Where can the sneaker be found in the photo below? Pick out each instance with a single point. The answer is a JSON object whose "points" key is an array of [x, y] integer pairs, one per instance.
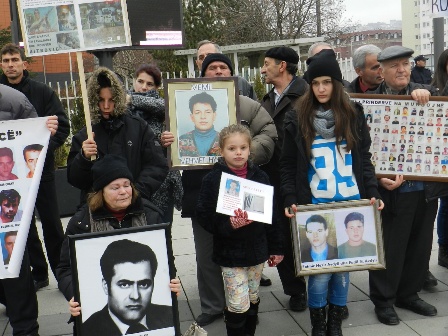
{"points": [[430, 281], [265, 281], [298, 302], [205, 319], [38, 284]]}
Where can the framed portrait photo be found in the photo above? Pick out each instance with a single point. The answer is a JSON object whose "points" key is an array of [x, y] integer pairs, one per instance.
{"points": [[407, 138], [121, 280], [337, 237], [197, 109]]}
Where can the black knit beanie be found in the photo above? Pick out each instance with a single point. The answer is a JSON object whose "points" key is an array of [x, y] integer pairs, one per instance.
{"points": [[108, 169], [324, 63], [214, 58]]}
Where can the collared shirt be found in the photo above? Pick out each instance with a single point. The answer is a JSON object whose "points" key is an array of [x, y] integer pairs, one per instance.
{"points": [[362, 86], [122, 326], [319, 256], [279, 96]]}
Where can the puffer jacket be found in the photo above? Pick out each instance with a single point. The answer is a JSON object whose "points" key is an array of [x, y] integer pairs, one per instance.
{"points": [[294, 162], [264, 135], [249, 245], [14, 105], [121, 134]]}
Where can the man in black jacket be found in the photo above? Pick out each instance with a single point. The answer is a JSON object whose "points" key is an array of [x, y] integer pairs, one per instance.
{"points": [[46, 103], [409, 212], [279, 69]]}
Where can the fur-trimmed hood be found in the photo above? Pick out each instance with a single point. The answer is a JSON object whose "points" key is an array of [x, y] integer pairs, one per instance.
{"points": [[93, 91]]}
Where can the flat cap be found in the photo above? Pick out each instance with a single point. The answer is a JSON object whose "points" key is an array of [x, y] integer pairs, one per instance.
{"points": [[286, 54], [394, 52], [420, 58]]}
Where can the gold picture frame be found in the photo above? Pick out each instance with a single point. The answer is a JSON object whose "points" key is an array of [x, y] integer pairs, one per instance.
{"points": [[197, 109], [315, 225]]}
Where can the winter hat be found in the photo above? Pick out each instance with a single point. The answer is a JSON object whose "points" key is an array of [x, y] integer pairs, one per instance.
{"points": [[108, 169], [286, 54], [324, 63], [216, 58]]}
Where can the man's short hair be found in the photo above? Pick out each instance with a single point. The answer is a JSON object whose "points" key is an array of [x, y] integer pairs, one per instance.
{"points": [[313, 46], [123, 251], [204, 98], [203, 42], [9, 234], [353, 216], [12, 49], [5, 151], [316, 219], [10, 195], [360, 54], [32, 148]]}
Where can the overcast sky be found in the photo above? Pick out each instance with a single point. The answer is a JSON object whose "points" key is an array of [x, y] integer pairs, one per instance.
{"points": [[367, 11]]}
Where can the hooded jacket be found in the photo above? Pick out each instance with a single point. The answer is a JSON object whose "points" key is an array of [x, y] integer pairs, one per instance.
{"points": [[46, 103], [121, 134]]}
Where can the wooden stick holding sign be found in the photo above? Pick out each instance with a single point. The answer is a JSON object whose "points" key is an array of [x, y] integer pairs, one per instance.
{"points": [[85, 100]]}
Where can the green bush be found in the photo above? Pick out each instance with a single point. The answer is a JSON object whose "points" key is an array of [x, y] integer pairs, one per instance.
{"points": [[259, 87]]}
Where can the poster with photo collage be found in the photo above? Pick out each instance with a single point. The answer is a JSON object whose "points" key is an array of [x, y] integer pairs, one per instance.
{"points": [[408, 138]]}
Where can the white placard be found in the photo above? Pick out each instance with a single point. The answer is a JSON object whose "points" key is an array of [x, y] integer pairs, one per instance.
{"points": [[239, 193]]}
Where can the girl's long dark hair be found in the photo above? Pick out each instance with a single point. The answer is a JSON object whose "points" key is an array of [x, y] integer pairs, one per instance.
{"points": [[440, 74], [344, 115]]}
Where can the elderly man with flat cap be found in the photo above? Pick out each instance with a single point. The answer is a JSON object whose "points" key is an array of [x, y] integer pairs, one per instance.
{"points": [[279, 69], [420, 74], [409, 212]]}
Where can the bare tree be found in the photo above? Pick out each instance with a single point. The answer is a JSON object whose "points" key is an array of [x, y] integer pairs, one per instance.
{"points": [[126, 61]]}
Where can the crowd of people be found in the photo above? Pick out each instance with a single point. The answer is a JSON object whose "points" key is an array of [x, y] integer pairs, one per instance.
{"points": [[305, 137]]}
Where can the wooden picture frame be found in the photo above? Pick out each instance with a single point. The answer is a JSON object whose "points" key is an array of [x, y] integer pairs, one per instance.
{"points": [[129, 269], [203, 95], [315, 225], [407, 138]]}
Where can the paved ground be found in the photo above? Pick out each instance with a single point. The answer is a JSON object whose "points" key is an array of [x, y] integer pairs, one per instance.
{"points": [[275, 318]]}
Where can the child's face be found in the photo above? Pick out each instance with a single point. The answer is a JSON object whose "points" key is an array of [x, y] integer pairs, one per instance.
{"points": [[236, 150]]}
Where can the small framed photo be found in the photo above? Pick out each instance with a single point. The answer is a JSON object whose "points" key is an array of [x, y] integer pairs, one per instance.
{"points": [[337, 237], [121, 280], [197, 109]]}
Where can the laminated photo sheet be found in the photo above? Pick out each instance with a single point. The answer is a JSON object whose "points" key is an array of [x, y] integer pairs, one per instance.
{"points": [[54, 26], [16, 137], [239, 193]]}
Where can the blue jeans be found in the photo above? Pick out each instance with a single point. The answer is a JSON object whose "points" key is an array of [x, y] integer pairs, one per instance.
{"points": [[331, 285], [442, 222]]}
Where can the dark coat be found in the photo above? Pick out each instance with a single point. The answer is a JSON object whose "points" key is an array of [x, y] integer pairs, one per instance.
{"points": [[355, 87], [100, 323], [295, 91], [294, 162], [264, 135], [128, 136], [332, 254], [249, 245], [412, 86], [421, 75], [80, 224], [46, 103]]}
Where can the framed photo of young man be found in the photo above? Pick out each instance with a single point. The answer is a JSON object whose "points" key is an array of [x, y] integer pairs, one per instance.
{"points": [[337, 237], [197, 109], [121, 280], [407, 138]]}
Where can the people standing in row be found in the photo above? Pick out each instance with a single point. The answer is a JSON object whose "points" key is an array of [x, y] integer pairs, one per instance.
{"points": [[325, 121], [240, 246], [46, 103], [280, 69]]}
